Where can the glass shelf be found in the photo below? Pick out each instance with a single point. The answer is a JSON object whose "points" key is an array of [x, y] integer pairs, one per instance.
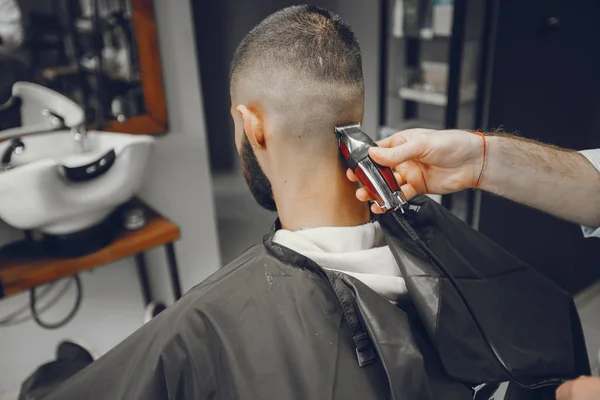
{"points": [[423, 35], [468, 94]]}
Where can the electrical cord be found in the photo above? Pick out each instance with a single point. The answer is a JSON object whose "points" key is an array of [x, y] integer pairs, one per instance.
{"points": [[45, 307], [55, 325], [408, 229], [12, 318]]}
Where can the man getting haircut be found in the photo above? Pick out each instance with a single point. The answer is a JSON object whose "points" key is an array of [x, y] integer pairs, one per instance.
{"points": [[288, 318]]}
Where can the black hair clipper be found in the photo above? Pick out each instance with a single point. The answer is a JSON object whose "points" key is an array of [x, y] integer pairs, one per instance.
{"points": [[379, 181]]}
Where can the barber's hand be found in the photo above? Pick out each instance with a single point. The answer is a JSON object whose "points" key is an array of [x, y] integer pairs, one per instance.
{"points": [[584, 388], [427, 161]]}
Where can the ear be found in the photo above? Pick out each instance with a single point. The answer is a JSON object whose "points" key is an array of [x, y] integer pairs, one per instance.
{"points": [[253, 126]]}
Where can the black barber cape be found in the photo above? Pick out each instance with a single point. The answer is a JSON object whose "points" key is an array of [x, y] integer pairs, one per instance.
{"points": [[274, 325]]}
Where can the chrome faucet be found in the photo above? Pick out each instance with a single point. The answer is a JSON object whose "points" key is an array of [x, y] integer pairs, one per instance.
{"points": [[79, 132], [55, 119], [16, 146], [57, 122], [81, 138]]}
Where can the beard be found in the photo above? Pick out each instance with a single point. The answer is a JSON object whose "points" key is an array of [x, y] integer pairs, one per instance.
{"points": [[257, 181]]}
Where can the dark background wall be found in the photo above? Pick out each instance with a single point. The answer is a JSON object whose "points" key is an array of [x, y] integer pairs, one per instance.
{"points": [[546, 86], [221, 25]]}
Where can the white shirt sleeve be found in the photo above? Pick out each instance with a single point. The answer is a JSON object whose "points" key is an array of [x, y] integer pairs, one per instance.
{"points": [[11, 26], [593, 156]]}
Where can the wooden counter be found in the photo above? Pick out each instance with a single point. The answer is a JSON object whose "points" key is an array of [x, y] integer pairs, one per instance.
{"points": [[20, 274]]}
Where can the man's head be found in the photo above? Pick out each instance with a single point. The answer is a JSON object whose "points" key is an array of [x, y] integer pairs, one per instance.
{"points": [[294, 77]]}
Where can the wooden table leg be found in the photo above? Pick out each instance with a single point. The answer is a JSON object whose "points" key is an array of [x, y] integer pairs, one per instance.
{"points": [[173, 271], [142, 271]]}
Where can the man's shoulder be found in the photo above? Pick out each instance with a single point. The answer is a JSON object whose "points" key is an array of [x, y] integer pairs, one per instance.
{"points": [[215, 292], [231, 275], [231, 283], [257, 277]]}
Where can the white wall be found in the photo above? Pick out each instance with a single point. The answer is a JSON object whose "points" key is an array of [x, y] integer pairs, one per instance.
{"points": [[178, 184], [181, 185]]}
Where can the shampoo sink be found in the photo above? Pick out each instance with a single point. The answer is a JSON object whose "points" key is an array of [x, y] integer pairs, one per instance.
{"points": [[54, 188]]}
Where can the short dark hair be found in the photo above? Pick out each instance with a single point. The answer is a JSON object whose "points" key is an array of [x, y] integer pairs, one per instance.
{"points": [[306, 38]]}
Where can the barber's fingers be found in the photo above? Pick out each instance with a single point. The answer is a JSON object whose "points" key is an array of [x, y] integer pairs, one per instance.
{"points": [[375, 209], [351, 175], [582, 388], [396, 155], [390, 141], [409, 191], [402, 137], [564, 391], [353, 178], [362, 193], [399, 178]]}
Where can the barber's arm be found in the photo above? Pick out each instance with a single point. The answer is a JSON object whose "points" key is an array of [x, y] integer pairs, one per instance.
{"points": [[558, 181]]}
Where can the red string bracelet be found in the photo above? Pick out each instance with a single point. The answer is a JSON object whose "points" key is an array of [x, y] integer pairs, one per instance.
{"points": [[483, 161]]}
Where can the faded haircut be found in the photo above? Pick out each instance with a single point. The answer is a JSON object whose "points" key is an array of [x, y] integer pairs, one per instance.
{"points": [[304, 64], [309, 40]]}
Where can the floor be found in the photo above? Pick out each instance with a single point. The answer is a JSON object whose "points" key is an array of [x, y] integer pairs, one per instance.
{"points": [[242, 223]]}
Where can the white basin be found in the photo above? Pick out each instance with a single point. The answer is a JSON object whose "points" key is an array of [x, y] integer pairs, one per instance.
{"points": [[38, 194]]}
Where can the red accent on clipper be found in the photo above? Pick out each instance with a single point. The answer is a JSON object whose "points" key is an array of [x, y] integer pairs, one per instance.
{"points": [[379, 181], [344, 151], [389, 177], [360, 175], [367, 185]]}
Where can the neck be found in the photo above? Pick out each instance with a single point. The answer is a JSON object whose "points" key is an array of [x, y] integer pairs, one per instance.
{"points": [[321, 197]]}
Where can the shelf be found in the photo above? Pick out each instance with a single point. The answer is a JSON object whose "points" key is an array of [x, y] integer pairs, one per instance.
{"points": [[468, 94], [425, 97], [22, 273], [423, 35], [84, 25]]}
